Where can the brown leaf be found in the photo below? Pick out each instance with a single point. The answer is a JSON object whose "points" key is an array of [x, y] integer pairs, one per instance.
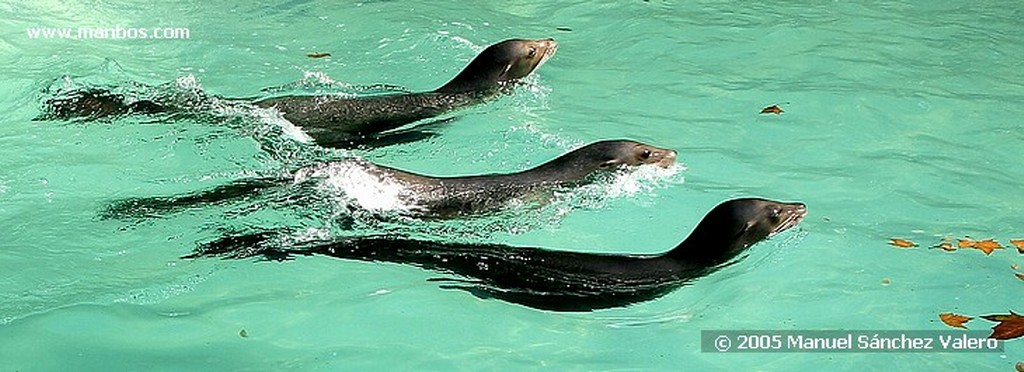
{"points": [[1010, 325], [954, 320], [965, 243], [946, 246], [1020, 276], [1020, 366], [1019, 243], [902, 243], [318, 55], [987, 246], [773, 109]]}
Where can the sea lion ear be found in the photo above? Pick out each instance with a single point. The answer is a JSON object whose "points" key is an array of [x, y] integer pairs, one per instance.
{"points": [[746, 227]]}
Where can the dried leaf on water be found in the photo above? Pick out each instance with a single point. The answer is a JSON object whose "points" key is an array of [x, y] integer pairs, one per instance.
{"points": [[1019, 243], [954, 320], [987, 245], [946, 245], [1010, 325], [318, 55], [902, 243], [773, 109]]}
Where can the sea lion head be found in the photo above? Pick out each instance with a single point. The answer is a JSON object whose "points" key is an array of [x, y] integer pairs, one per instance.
{"points": [[624, 152], [734, 226], [502, 63]]}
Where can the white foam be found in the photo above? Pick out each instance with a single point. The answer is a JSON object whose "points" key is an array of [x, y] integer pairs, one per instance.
{"points": [[274, 117], [470, 44], [356, 180], [310, 234], [629, 182], [320, 78], [189, 82]]}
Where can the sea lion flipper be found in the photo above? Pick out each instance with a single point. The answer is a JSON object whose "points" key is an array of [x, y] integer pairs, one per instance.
{"points": [[244, 245], [153, 207]]}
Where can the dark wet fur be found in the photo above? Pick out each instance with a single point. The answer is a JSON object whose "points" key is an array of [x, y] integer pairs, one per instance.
{"points": [[95, 103], [542, 278]]}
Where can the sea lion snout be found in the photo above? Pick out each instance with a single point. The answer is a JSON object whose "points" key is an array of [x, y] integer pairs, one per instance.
{"points": [[547, 46], [787, 215], [658, 156], [668, 158]]}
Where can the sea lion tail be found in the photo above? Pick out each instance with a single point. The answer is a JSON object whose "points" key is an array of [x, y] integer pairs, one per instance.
{"points": [[155, 207], [267, 243]]}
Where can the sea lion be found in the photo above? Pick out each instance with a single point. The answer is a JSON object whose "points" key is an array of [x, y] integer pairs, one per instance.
{"points": [[331, 121], [552, 279], [417, 194], [336, 121], [96, 103]]}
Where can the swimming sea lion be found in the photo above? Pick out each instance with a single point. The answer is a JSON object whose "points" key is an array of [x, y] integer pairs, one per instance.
{"points": [[549, 279], [333, 120], [96, 103], [421, 195], [347, 121]]}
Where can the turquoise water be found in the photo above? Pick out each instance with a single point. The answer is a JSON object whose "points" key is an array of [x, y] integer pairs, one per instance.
{"points": [[901, 120]]}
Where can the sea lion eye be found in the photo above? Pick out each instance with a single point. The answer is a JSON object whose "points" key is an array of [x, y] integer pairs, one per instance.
{"points": [[646, 154], [533, 52], [776, 212]]}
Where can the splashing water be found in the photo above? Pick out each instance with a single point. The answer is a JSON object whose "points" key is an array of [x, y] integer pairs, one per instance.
{"points": [[353, 180]]}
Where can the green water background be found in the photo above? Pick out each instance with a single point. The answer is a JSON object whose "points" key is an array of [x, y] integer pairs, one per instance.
{"points": [[902, 120]]}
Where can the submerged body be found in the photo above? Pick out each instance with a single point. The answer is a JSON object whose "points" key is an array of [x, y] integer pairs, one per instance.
{"points": [[422, 195], [345, 121], [551, 279], [338, 121]]}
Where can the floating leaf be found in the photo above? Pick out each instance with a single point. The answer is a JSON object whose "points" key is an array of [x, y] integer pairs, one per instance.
{"points": [[1010, 325], [946, 246], [1020, 367], [987, 246], [773, 109], [318, 55], [1019, 243], [902, 243], [954, 320], [1020, 276], [1015, 266]]}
